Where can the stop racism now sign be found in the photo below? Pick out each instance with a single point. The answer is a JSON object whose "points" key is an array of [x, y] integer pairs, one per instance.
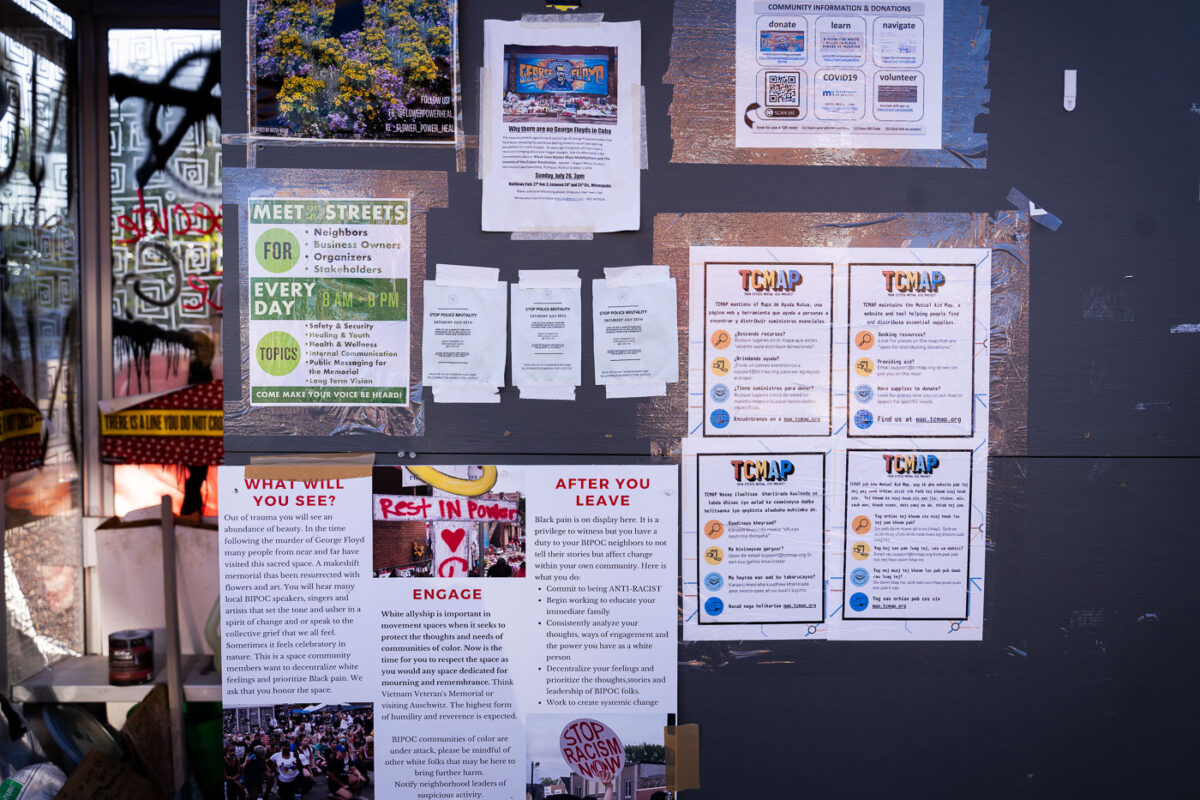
{"points": [[592, 749]]}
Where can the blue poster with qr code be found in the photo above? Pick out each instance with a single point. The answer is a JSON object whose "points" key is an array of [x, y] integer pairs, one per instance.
{"points": [[551, 74]]}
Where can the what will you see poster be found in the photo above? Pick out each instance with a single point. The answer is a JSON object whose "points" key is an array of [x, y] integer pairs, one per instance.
{"points": [[354, 69]]}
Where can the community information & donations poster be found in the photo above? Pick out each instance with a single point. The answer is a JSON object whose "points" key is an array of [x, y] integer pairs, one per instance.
{"points": [[479, 613], [328, 301], [560, 147], [836, 485], [839, 74]]}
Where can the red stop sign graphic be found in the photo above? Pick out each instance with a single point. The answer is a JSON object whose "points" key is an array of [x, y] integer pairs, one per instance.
{"points": [[592, 749]]}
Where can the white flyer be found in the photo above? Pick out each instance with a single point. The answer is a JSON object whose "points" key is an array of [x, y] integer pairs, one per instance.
{"points": [[328, 301], [547, 338], [763, 547], [836, 479], [839, 75], [774, 321], [908, 541], [489, 619], [635, 336], [560, 126], [912, 344], [462, 350]]}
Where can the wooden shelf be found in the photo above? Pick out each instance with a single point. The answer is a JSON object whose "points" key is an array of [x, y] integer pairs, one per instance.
{"points": [[84, 679]]}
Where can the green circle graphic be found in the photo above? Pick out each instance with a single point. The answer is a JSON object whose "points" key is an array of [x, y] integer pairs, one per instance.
{"points": [[278, 353], [277, 250]]}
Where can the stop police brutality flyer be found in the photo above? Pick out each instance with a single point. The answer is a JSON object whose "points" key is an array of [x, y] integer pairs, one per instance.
{"points": [[839, 74], [488, 616], [835, 483], [328, 301]]}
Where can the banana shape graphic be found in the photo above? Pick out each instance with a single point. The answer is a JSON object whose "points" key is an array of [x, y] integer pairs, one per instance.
{"points": [[448, 483]]}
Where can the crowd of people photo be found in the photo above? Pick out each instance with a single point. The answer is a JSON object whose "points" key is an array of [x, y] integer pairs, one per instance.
{"points": [[293, 752]]}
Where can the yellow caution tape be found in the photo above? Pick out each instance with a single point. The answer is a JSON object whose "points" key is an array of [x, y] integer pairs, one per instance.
{"points": [[162, 422], [17, 422]]}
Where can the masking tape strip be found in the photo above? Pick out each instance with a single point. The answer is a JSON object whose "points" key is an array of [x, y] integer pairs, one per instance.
{"points": [[570, 19], [626, 389], [644, 140], [458, 275], [460, 152], [682, 746], [251, 82], [639, 275], [311, 466], [483, 164], [536, 236], [1039, 215], [547, 391], [251, 140], [548, 279]]}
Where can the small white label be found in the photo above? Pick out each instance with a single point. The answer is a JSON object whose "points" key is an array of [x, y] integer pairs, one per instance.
{"points": [[1069, 89]]}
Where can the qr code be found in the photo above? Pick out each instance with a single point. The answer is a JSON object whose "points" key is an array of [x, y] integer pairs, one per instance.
{"points": [[783, 88]]}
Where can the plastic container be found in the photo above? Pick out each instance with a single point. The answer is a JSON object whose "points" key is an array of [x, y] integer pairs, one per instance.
{"points": [[37, 782]]}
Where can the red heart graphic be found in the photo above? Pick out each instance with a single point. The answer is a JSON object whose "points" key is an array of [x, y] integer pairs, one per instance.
{"points": [[453, 538]]}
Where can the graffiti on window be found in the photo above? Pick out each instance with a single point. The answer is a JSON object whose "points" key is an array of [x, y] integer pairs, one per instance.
{"points": [[165, 183], [39, 352]]}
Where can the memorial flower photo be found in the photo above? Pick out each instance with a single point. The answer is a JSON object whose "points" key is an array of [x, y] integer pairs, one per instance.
{"points": [[367, 69]]}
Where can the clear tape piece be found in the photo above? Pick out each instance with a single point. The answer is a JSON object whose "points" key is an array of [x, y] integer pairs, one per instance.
{"points": [[1039, 215]]}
